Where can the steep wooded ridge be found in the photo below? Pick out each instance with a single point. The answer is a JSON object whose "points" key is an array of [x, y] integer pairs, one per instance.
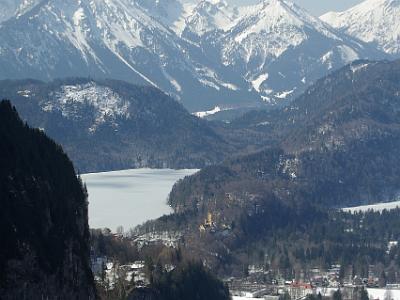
{"points": [[335, 146], [43, 217], [110, 125]]}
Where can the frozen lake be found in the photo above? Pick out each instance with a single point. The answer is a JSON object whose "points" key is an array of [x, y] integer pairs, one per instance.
{"points": [[129, 197]]}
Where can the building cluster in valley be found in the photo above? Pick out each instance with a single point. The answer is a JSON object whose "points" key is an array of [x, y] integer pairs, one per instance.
{"points": [[323, 282], [258, 282]]}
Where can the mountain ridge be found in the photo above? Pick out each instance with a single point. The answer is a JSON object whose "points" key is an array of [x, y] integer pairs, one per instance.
{"points": [[109, 124], [204, 55], [372, 21], [352, 108]]}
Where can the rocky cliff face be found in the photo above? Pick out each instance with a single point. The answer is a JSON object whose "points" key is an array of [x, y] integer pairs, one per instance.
{"points": [[43, 217]]}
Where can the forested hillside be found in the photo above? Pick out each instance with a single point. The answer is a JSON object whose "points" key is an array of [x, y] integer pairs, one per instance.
{"points": [[335, 146], [43, 217], [110, 125], [187, 281]]}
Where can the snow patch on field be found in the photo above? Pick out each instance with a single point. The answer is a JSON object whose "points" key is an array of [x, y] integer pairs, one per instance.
{"points": [[348, 54], [228, 85], [379, 294], [173, 81], [327, 59], [356, 68], [374, 207], [284, 94], [209, 78], [25, 93], [259, 81], [203, 114]]}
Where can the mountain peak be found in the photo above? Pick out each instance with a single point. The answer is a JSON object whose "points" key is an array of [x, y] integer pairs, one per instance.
{"points": [[204, 53], [281, 19], [372, 21], [210, 15], [289, 14]]}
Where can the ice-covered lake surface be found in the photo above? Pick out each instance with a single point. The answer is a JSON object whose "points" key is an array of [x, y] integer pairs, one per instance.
{"points": [[129, 197]]}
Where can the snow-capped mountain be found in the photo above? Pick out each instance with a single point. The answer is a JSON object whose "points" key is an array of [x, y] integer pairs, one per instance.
{"points": [[373, 21], [102, 38], [205, 54], [280, 49], [210, 16], [171, 13]]}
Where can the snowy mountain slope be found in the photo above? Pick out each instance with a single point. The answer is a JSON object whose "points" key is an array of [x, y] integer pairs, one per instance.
{"points": [[204, 54], [171, 13], [280, 49], [13, 8], [209, 16], [74, 30], [8, 9], [106, 105], [103, 38], [373, 21]]}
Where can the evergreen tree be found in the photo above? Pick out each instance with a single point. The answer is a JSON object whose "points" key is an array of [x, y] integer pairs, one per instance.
{"points": [[285, 296], [382, 279], [364, 294], [149, 268], [337, 295], [187, 281]]}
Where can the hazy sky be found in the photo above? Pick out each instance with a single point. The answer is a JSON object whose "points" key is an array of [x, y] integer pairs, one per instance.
{"points": [[316, 7]]}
